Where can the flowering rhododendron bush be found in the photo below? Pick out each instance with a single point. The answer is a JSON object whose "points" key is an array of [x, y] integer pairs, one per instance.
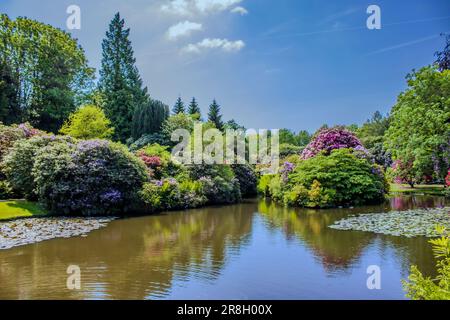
{"points": [[91, 177], [342, 178], [327, 140]]}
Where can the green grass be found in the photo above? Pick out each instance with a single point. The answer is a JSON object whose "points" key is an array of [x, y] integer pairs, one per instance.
{"points": [[14, 209], [435, 190]]}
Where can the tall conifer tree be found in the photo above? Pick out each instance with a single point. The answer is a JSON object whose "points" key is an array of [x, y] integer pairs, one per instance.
{"points": [[193, 108], [214, 115], [120, 81], [179, 107]]}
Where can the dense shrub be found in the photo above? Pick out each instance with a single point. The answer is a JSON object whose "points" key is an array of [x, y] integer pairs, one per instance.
{"points": [[327, 140], [6, 192], [219, 183], [19, 162], [159, 161], [169, 194], [93, 177], [287, 149], [10, 134], [340, 179], [246, 176]]}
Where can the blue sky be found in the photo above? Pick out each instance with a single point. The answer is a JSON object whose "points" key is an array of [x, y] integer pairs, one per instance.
{"points": [[269, 63]]}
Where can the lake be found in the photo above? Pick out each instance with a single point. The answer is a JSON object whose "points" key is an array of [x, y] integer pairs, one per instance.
{"points": [[253, 250]]}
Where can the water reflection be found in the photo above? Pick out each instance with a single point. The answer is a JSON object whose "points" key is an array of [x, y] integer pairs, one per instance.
{"points": [[252, 250]]}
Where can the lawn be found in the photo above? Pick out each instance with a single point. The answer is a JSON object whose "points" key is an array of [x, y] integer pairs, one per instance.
{"points": [[429, 189], [19, 209]]}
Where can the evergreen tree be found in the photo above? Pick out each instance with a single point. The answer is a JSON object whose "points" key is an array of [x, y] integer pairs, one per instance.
{"points": [[193, 108], [148, 118], [179, 107], [214, 115], [120, 82]]}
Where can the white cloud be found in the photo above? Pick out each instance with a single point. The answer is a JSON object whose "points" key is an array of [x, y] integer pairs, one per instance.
{"points": [[222, 44], [181, 29], [240, 10], [180, 7], [189, 7], [214, 5]]}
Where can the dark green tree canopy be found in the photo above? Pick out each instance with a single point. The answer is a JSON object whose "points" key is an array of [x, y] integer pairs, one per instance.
{"points": [[46, 68], [120, 82], [419, 130], [148, 118], [9, 105], [215, 116], [179, 107]]}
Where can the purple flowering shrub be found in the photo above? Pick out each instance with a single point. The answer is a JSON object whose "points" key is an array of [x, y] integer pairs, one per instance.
{"points": [[93, 177], [327, 140]]}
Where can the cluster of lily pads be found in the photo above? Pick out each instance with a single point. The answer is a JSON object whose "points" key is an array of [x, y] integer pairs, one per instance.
{"points": [[410, 223]]}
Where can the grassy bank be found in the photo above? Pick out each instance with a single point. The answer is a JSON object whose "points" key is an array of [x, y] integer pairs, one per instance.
{"points": [[434, 190], [13, 209]]}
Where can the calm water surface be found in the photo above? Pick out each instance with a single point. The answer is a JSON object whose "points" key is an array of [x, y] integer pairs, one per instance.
{"points": [[254, 250]]}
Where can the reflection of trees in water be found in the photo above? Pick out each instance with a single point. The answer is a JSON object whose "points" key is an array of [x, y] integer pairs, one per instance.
{"points": [[131, 258], [341, 249], [335, 249]]}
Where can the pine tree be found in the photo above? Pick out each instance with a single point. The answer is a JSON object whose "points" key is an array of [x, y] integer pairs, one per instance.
{"points": [[193, 108], [120, 82], [148, 118], [214, 115], [179, 107]]}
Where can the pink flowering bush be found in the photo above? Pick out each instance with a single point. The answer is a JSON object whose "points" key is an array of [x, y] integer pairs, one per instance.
{"points": [[330, 139]]}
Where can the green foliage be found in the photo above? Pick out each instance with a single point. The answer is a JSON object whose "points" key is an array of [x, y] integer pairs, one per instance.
{"points": [[147, 139], [6, 192], [171, 195], [215, 116], [194, 109], [340, 179], [263, 184], [88, 122], [288, 137], [46, 68], [344, 179], [148, 118], [287, 149], [92, 177], [179, 107], [419, 130], [246, 176], [177, 121], [219, 183], [420, 287], [18, 163], [120, 82]]}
